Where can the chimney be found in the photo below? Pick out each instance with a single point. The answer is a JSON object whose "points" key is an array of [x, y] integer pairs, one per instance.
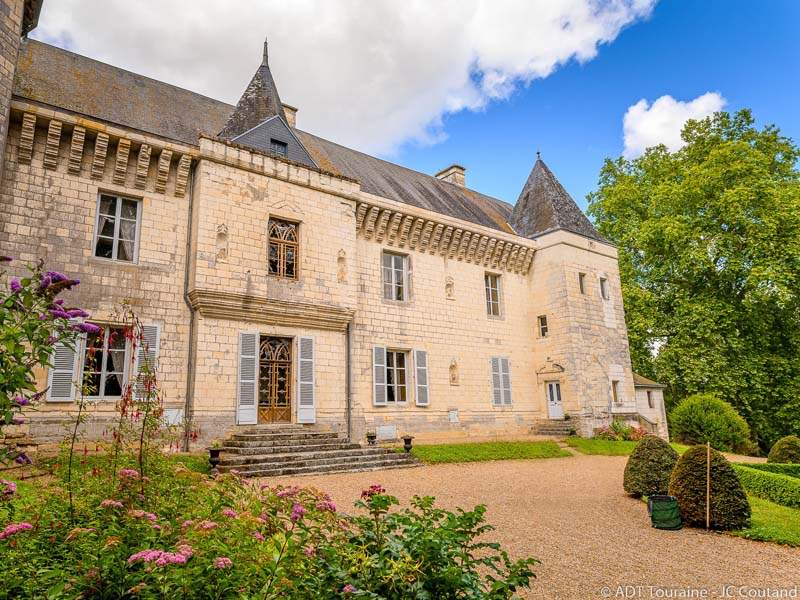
{"points": [[291, 115], [453, 174]]}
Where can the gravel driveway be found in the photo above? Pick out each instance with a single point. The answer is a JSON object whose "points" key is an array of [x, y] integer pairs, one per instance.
{"points": [[572, 514]]}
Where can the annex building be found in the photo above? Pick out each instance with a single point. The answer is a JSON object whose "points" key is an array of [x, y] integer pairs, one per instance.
{"points": [[284, 278]]}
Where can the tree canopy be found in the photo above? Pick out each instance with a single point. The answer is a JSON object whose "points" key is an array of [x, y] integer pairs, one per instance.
{"points": [[709, 249]]}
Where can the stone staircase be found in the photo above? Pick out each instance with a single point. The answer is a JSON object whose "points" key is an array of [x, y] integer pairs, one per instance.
{"points": [[553, 427], [272, 451]]}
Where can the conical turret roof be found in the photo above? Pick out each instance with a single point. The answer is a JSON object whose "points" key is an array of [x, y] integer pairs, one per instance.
{"points": [[544, 205], [259, 102]]}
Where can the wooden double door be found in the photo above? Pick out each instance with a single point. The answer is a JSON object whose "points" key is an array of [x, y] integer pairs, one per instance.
{"points": [[275, 380]]}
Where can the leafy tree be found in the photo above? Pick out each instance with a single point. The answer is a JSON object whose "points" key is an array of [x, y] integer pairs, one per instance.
{"points": [[709, 245]]}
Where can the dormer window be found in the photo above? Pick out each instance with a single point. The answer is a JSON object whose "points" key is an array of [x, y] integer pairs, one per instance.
{"points": [[278, 147]]}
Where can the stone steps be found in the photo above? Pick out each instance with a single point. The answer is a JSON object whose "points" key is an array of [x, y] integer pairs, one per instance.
{"points": [[552, 428], [272, 451]]}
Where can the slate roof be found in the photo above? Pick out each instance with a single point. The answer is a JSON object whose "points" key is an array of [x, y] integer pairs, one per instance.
{"points": [[259, 102], [544, 205], [62, 79]]}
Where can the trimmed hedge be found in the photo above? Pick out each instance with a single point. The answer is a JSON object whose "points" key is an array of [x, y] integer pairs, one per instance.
{"points": [[729, 506], [790, 470], [706, 418], [786, 450], [649, 467], [777, 488]]}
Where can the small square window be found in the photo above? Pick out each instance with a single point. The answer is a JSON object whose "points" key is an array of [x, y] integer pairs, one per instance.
{"points": [[582, 282], [542, 326], [395, 276], [278, 147], [117, 228], [492, 282], [604, 288]]}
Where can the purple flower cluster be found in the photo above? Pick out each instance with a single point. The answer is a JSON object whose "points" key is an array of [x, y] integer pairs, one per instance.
{"points": [[161, 558], [7, 488], [86, 328], [258, 536], [372, 491], [348, 589], [15, 285], [14, 528], [287, 492], [206, 525], [140, 514], [229, 513], [111, 504], [223, 562], [326, 505], [128, 473], [298, 512]]}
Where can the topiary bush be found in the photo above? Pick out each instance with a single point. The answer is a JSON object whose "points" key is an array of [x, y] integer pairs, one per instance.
{"points": [[792, 470], [649, 467], [705, 418], [777, 488], [729, 506], [786, 450]]}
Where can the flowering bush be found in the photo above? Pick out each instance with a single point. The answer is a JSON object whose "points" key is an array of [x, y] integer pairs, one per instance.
{"points": [[32, 319], [180, 534], [619, 431]]}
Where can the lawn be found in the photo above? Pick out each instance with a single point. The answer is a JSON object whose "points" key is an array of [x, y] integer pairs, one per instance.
{"points": [[194, 462], [451, 453], [772, 522], [608, 447]]}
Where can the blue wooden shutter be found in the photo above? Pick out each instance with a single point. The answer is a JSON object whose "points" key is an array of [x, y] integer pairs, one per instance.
{"points": [[306, 394], [247, 395]]}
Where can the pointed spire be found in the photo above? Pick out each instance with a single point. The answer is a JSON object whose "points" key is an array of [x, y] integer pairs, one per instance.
{"points": [[259, 102], [544, 205]]}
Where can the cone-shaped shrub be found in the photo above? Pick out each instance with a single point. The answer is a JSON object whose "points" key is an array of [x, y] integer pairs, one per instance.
{"points": [[785, 450], [729, 506], [649, 467]]}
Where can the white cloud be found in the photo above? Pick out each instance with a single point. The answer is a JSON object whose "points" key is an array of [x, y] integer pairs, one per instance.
{"points": [[647, 125], [367, 73]]}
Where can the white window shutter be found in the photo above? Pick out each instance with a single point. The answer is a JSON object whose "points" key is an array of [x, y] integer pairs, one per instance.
{"points": [[506, 375], [247, 395], [146, 359], [379, 375], [62, 377], [497, 382], [421, 377], [306, 394]]}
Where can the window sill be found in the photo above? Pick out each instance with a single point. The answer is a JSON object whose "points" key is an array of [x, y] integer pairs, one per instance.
{"points": [[114, 262], [496, 317], [404, 303]]}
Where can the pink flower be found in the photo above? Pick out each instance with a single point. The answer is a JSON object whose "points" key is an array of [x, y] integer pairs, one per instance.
{"points": [[326, 505], [223, 562], [348, 589], [298, 512], [14, 528], [7, 488], [372, 491], [310, 551], [111, 504], [187, 523], [258, 536], [128, 473], [229, 513], [206, 525]]}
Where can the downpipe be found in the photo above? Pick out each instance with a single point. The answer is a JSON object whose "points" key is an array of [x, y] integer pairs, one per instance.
{"points": [[187, 408]]}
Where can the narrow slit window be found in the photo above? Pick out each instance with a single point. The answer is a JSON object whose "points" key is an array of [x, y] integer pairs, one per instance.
{"points": [[650, 402], [582, 282], [615, 391], [542, 326], [283, 249], [604, 288], [492, 282]]}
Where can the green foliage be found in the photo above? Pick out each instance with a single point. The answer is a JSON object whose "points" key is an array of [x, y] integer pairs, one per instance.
{"points": [[786, 450], [619, 430], [609, 448], [772, 522], [709, 251], [649, 467], [729, 507], [449, 453], [781, 489], [705, 418], [32, 317], [792, 470]]}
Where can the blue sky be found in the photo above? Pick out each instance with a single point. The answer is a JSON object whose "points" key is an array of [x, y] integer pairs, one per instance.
{"points": [[749, 52]]}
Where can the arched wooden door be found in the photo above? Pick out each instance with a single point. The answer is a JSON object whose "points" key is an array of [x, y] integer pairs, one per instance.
{"points": [[275, 380]]}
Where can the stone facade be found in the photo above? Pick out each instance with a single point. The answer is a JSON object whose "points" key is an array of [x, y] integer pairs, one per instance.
{"points": [[201, 275]]}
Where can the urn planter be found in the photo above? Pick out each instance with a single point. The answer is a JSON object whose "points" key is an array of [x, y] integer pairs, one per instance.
{"points": [[213, 458], [371, 437], [407, 442]]}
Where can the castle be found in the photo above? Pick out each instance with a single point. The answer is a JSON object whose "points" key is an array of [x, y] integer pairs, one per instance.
{"points": [[283, 278]]}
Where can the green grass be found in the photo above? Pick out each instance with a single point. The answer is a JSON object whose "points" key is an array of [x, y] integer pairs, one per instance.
{"points": [[772, 522], [194, 462], [608, 447], [450, 453]]}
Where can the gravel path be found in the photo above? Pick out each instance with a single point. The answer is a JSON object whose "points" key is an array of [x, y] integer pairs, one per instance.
{"points": [[572, 514]]}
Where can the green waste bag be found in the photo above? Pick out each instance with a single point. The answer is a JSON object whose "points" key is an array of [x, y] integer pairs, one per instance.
{"points": [[664, 512]]}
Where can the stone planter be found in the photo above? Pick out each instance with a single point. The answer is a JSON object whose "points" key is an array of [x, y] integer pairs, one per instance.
{"points": [[371, 437], [213, 458], [407, 442]]}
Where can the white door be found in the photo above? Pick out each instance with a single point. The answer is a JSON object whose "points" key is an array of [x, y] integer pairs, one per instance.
{"points": [[554, 408]]}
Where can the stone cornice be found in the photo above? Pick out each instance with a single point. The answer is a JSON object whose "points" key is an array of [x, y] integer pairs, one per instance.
{"points": [[453, 239], [241, 307]]}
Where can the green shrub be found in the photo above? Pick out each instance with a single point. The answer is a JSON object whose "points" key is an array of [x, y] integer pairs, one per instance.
{"points": [[705, 418], [786, 450], [649, 467], [729, 506], [780, 489], [781, 469]]}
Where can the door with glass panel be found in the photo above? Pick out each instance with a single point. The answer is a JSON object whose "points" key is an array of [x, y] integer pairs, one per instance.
{"points": [[275, 380], [554, 408]]}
